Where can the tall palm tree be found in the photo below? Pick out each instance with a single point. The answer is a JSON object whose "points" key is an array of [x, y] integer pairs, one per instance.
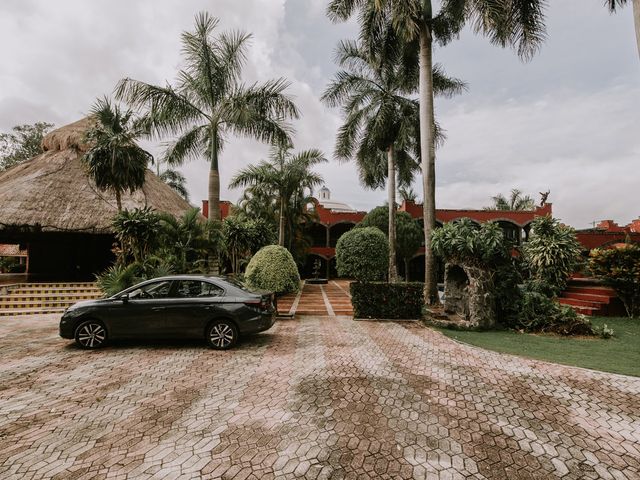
{"points": [[115, 162], [613, 6], [381, 121], [518, 23], [209, 102], [516, 201], [285, 174]]}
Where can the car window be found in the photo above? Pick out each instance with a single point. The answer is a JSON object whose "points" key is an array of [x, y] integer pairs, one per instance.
{"points": [[197, 289], [152, 290]]}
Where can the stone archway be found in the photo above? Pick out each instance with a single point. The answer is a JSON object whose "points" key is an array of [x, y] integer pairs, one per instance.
{"points": [[468, 294]]}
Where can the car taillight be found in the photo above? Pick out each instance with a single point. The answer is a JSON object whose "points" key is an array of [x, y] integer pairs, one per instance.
{"points": [[262, 304]]}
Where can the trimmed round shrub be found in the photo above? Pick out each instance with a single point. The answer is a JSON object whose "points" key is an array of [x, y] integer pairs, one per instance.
{"points": [[363, 253], [273, 268]]}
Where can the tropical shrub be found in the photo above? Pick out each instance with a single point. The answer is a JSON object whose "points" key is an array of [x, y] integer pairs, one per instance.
{"points": [[119, 277], [387, 300], [188, 243], [551, 255], [539, 313], [273, 268], [620, 269], [363, 254], [137, 232]]}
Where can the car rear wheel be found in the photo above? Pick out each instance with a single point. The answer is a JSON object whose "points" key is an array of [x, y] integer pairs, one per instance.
{"points": [[91, 334], [222, 335]]}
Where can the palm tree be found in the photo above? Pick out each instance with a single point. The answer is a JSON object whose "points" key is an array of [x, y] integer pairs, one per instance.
{"points": [[516, 201], [285, 174], [381, 121], [407, 194], [115, 162], [176, 181], [518, 23], [613, 6], [209, 103]]}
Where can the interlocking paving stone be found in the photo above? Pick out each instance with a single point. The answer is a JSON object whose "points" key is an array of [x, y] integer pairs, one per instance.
{"points": [[314, 397]]}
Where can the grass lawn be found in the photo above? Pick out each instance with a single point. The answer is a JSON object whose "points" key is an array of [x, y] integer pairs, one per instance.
{"points": [[619, 354]]}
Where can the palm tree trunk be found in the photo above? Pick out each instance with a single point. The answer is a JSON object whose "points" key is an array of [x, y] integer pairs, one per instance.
{"points": [[281, 225], [391, 174], [427, 155], [119, 200], [214, 179], [406, 270], [636, 18]]}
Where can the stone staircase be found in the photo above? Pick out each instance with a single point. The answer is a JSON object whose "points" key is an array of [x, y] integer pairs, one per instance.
{"points": [[41, 298], [589, 297]]}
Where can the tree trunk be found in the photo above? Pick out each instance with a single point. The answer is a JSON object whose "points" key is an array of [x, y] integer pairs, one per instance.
{"points": [[119, 200], [391, 174], [406, 270], [214, 194], [214, 178], [281, 225], [636, 18], [427, 157]]}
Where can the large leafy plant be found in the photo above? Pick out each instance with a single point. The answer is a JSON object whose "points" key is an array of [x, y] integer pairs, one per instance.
{"points": [[551, 255]]}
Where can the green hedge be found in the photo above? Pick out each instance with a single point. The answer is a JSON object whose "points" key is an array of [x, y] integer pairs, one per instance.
{"points": [[387, 300], [273, 268]]}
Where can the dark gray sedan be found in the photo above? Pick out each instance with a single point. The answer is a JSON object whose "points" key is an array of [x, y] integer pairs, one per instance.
{"points": [[185, 306]]}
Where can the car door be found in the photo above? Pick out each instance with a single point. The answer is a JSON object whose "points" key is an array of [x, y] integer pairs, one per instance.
{"points": [[194, 303], [142, 314]]}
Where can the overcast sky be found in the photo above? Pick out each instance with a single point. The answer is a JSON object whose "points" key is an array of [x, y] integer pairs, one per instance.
{"points": [[566, 121]]}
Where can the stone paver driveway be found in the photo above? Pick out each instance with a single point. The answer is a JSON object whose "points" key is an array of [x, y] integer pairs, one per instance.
{"points": [[316, 397]]}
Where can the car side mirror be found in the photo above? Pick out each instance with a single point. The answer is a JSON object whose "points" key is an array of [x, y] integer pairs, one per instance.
{"points": [[124, 297]]}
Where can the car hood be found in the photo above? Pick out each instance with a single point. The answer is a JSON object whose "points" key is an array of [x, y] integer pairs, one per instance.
{"points": [[89, 303]]}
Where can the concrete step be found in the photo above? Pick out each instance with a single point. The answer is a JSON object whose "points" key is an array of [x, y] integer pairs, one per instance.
{"points": [[26, 304], [40, 297], [29, 311], [592, 290], [588, 297], [580, 303]]}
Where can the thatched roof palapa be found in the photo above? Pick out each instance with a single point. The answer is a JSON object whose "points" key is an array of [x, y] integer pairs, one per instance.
{"points": [[53, 192]]}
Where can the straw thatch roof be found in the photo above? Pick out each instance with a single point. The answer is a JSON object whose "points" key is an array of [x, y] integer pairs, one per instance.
{"points": [[52, 191]]}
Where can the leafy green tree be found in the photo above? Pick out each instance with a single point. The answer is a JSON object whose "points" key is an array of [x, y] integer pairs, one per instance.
{"points": [[620, 269], [24, 142], [613, 6], [409, 233], [242, 238], [284, 175], [381, 121], [209, 102], [516, 201], [115, 162], [387, 24]]}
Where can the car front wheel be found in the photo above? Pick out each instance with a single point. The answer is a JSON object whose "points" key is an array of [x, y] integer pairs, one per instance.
{"points": [[222, 335], [91, 334]]}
